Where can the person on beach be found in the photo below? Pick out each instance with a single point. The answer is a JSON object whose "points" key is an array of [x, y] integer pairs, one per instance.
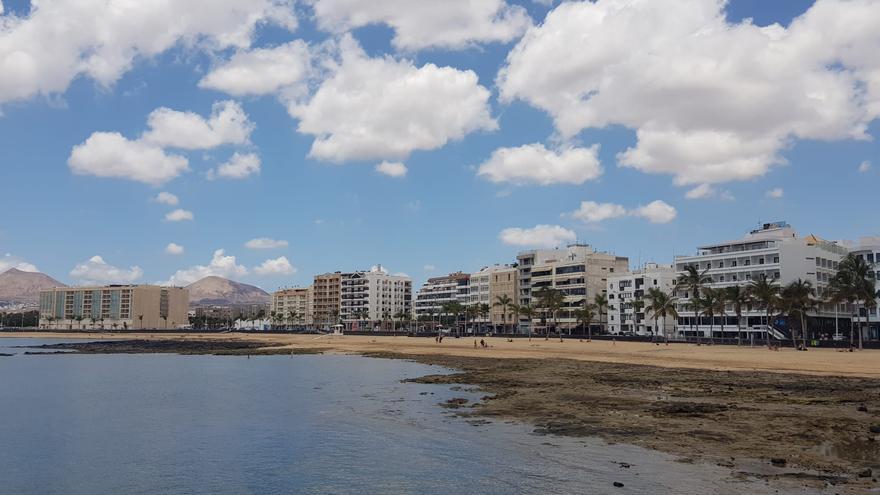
{"points": [[475, 343]]}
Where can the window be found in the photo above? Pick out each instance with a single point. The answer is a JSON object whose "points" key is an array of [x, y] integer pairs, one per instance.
{"points": [[733, 263], [776, 259], [720, 264], [760, 261], [748, 262]]}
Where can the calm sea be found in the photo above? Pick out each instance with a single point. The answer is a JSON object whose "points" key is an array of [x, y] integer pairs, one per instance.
{"points": [[87, 424]]}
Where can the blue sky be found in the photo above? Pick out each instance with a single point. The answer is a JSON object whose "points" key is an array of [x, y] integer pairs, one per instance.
{"points": [[443, 215]]}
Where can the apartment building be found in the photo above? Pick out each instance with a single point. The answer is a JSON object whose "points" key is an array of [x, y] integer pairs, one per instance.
{"points": [[368, 297], [578, 270], [487, 285], [298, 301], [437, 291], [114, 307], [773, 251], [326, 299], [627, 300], [869, 250]]}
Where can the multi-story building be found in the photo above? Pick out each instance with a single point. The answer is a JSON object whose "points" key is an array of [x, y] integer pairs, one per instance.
{"points": [[114, 307], [374, 296], [438, 291], [578, 271], [627, 300], [487, 285], [294, 306], [869, 250], [773, 251], [326, 294]]}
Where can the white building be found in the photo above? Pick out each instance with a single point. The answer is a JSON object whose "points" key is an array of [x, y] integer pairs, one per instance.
{"points": [[773, 251], [869, 250], [367, 298], [437, 291], [628, 291]]}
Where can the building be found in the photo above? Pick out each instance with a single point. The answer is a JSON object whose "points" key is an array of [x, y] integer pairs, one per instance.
{"points": [[370, 297], [114, 307], [438, 291], [293, 306], [578, 270], [487, 285], [627, 300], [326, 296], [869, 250], [773, 251]]}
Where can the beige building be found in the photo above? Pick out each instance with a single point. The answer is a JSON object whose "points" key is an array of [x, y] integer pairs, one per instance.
{"points": [[327, 292], [297, 300], [117, 307], [490, 283]]}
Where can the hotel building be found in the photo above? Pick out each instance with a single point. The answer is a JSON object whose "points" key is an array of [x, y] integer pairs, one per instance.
{"points": [[577, 270], [773, 251], [299, 300], [117, 307], [373, 296], [627, 300]]}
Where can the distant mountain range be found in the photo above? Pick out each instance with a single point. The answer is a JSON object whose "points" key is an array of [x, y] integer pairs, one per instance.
{"points": [[20, 287], [218, 291]]}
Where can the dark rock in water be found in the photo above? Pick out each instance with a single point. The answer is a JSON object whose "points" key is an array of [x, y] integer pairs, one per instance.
{"points": [[455, 403], [687, 408], [778, 461], [862, 408], [874, 429], [618, 484], [865, 474], [6, 355], [215, 347]]}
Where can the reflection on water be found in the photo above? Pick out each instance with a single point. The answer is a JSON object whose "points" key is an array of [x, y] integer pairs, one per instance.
{"points": [[301, 424]]}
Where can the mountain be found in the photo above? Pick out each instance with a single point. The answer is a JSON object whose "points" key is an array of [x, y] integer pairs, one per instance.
{"points": [[19, 287], [218, 291]]}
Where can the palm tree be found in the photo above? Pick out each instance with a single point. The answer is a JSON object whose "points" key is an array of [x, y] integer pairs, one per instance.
{"points": [[292, 316], [503, 301], [857, 276], [141, 321], [585, 316], [79, 319], [399, 315], [637, 305], [601, 303], [515, 311], [661, 305], [739, 298], [764, 293], [485, 311], [797, 299], [712, 303], [529, 312], [552, 300], [693, 280], [835, 295]]}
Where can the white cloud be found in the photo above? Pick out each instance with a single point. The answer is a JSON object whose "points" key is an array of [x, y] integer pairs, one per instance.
{"points": [[179, 215], [703, 191], [43, 51], [228, 124], [262, 71], [419, 24], [166, 198], [265, 243], [711, 101], [538, 236], [96, 270], [865, 166], [174, 249], [109, 154], [392, 169], [220, 266], [593, 212], [535, 164], [429, 268], [240, 166], [278, 266], [9, 261], [775, 193], [382, 108]]}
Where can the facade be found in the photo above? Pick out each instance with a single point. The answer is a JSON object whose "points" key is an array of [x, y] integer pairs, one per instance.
{"points": [[627, 302], [869, 250], [577, 270], [438, 291], [773, 251], [326, 291], [373, 296], [487, 285], [294, 306], [114, 307]]}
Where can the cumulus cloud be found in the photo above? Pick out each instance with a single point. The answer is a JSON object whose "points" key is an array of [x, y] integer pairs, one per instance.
{"points": [[384, 108], [97, 271], [110, 155], [593, 212], [706, 191], [419, 24], [221, 265], [44, 50], [8, 261], [174, 249], [710, 101], [262, 71], [535, 164], [265, 243], [166, 198], [227, 124], [278, 266], [179, 215], [865, 166], [240, 166], [392, 169], [775, 193], [547, 236]]}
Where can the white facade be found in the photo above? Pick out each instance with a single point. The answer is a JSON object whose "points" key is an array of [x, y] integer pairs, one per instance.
{"points": [[773, 251], [438, 291], [374, 296], [632, 286], [869, 250]]}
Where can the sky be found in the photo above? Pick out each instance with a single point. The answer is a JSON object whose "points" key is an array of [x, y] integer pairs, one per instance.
{"points": [[271, 140]]}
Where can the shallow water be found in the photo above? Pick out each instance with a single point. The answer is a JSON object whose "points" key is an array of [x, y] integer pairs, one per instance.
{"points": [[291, 424]]}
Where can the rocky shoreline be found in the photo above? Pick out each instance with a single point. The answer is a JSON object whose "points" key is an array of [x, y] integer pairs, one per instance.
{"points": [[184, 347]]}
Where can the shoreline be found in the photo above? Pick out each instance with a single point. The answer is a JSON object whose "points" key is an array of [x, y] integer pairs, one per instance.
{"points": [[807, 427]]}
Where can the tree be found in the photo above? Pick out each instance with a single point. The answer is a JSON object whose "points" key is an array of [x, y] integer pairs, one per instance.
{"points": [[141, 320], [856, 277], [552, 300], [585, 317], [454, 308], [292, 317], [601, 303], [273, 317], [515, 310], [400, 315], [529, 312], [712, 303], [693, 280], [79, 319], [661, 305], [797, 299], [765, 294], [503, 301], [739, 298]]}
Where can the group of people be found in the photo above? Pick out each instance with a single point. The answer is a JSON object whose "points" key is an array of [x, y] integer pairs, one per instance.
{"points": [[483, 343]]}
